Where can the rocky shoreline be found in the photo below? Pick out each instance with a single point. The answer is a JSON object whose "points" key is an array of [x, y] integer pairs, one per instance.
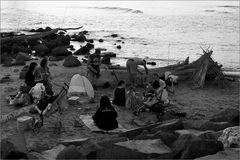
{"points": [[208, 112]]}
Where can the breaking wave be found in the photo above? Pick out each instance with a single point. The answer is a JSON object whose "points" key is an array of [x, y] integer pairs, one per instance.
{"points": [[127, 10]]}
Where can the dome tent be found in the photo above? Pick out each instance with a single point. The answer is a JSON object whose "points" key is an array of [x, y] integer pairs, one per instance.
{"points": [[80, 85]]}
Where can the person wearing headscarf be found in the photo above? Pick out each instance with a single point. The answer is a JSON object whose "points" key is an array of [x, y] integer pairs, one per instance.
{"points": [[105, 117]]}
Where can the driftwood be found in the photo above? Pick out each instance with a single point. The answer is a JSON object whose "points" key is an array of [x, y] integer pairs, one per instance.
{"points": [[35, 36], [196, 72]]}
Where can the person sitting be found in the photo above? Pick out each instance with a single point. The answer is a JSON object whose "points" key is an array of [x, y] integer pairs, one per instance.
{"points": [[42, 74], [119, 94], [105, 117], [29, 77], [160, 90]]}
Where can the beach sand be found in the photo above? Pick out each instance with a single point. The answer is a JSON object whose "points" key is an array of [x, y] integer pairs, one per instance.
{"points": [[197, 103]]}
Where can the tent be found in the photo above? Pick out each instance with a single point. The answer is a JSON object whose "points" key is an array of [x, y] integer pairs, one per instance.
{"points": [[80, 85], [197, 72]]}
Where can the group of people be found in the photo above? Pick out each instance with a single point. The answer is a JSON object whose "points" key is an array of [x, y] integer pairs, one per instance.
{"points": [[154, 98], [36, 78], [94, 62]]}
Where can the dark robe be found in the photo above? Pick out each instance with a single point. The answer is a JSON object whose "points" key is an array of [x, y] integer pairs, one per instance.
{"points": [[105, 119], [119, 97]]}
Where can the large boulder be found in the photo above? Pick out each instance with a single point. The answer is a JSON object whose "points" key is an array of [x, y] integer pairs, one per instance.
{"points": [[228, 115], [79, 38], [205, 125], [70, 152], [52, 43], [231, 137], [60, 51], [14, 143], [41, 49], [6, 148], [51, 58], [84, 50], [227, 154], [190, 146], [17, 47], [134, 149], [167, 137], [170, 125], [215, 126], [6, 59], [201, 134], [63, 40], [22, 57], [71, 61]]}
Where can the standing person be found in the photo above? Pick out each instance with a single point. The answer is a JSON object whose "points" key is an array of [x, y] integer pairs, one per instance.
{"points": [[29, 77], [106, 116], [119, 94], [132, 68], [94, 62]]}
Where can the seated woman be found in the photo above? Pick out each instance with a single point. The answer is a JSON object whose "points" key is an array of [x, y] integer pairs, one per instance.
{"points": [[159, 98], [43, 74], [29, 77], [160, 90], [105, 117], [119, 94]]}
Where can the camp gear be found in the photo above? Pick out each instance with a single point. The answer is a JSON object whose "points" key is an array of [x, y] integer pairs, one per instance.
{"points": [[37, 91], [80, 85], [49, 105]]}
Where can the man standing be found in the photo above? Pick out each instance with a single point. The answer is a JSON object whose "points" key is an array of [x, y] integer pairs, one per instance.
{"points": [[93, 65], [132, 69]]}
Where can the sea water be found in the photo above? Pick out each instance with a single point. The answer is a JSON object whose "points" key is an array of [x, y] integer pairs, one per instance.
{"points": [[162, 31]]}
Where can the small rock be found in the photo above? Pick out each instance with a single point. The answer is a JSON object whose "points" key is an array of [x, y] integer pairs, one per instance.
{"points": [[228, 115], [100, 40], [90, 40], [152, 63], [114, 35], [119, 47], [71, 61]]}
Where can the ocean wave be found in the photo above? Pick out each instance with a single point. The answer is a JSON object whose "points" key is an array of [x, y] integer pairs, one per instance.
{"points": [[234, 7], [128, 10]]}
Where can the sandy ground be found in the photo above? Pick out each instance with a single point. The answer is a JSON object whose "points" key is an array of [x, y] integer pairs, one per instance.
{"points": [[198, 104]]}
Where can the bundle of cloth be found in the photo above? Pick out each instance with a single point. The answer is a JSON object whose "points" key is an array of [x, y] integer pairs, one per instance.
{"points": [[28, 95]]}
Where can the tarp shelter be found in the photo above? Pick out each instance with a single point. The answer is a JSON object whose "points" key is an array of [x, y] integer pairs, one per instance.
{"points": [[80, 85]]}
